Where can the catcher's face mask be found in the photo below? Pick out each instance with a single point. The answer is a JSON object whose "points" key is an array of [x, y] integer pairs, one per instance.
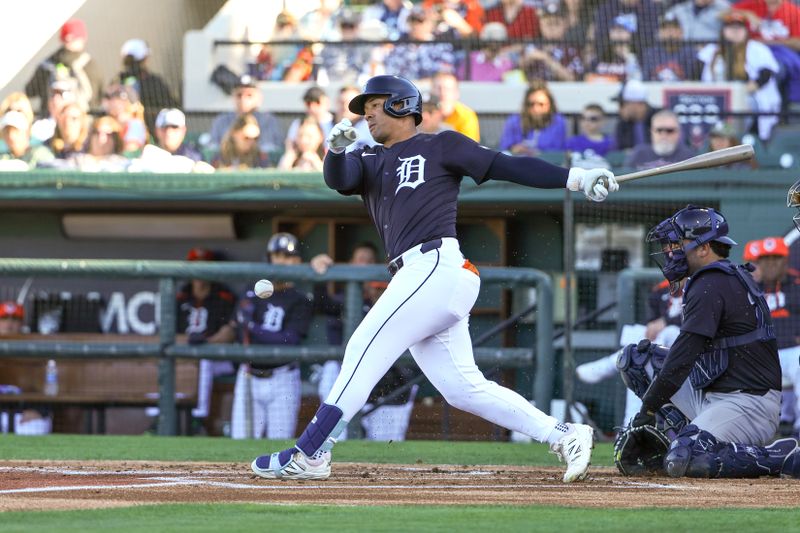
{"points": [[793, 200], [669, 253]]}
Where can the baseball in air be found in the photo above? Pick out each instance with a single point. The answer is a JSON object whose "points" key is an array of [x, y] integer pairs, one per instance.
{"points": [[263, 288]]}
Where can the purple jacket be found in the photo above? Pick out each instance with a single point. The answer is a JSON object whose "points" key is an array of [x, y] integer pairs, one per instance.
{"points": [[553, 137]]}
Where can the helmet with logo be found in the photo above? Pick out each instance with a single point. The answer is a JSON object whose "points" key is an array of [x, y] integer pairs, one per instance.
{"points": [[283, 243], [397, 90], [699, 225], [793, 200]]}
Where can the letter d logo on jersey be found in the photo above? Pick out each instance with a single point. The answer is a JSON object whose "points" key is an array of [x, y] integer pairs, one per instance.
{"points": [[411, 172]]}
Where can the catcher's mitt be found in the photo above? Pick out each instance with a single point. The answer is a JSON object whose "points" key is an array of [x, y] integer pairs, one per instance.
{"points": [[640, 450]]}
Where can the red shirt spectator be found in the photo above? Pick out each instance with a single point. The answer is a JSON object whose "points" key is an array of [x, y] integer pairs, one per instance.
{"points": [[520, 20], [775, 20]]}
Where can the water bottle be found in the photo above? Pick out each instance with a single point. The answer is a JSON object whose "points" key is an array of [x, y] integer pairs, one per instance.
{"points": [[51, 378]]}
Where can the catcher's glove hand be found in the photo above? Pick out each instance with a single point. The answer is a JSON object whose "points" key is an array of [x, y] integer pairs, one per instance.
{"points": [[640, 450]]}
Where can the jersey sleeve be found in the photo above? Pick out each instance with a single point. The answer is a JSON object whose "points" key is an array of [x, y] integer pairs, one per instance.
{"points": [[465, 157], [344, 172], [704, 304]]}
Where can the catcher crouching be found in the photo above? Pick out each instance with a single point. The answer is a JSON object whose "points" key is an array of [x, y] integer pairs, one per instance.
{"points": [[711, 402]]}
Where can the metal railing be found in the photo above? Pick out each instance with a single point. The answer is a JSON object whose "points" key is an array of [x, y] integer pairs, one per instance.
{"points": [[541, 358]]}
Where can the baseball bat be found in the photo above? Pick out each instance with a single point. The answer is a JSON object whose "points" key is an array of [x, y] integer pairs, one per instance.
{"points": [[717, 158]]}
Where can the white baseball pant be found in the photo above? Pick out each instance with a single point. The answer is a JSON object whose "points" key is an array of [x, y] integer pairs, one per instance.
{"points": [[425, 309], [275, 404]]}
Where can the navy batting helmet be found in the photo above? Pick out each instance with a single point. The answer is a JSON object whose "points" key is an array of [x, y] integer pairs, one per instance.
{"points": [[397, 90], [283, 243]]}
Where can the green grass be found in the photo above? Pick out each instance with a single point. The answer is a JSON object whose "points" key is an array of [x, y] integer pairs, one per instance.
{"points": [[223, 450], [316, 519]]}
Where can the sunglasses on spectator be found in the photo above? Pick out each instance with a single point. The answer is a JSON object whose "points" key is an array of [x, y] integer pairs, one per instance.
{"points": [[592, 118], [665, 131]]}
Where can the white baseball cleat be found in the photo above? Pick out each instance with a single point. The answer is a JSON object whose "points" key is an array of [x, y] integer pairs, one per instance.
{"points": [[292, 464], [575, 449]]}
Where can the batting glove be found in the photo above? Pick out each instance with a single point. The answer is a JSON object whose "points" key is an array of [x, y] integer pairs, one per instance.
{"points": [[592, 182], [341, 136]]}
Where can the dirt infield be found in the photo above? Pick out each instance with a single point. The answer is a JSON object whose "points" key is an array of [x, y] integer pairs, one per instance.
{"points": [[28, 485]]}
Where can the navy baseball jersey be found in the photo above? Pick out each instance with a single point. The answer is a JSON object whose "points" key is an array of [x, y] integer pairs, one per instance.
{"points": [[205, 316], [718, 305], [783, 300], [283, 318], [411, 189]]}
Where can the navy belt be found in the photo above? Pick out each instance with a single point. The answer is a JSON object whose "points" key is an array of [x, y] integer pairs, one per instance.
{"points": [[425, 247]]}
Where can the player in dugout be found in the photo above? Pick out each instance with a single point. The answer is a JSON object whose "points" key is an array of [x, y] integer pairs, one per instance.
{"points": [[409, 184], [722, 373]]}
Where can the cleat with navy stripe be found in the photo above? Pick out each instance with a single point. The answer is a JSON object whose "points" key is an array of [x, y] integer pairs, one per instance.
{"points": [[293, 464]]}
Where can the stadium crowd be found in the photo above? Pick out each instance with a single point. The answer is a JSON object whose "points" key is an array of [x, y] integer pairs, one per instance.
{"points": [[132, 121]]}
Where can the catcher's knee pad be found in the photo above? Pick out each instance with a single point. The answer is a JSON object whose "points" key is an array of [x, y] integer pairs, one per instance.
{"points": [[632, 363]]}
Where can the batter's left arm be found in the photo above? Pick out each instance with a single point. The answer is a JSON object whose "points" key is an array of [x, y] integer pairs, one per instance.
{"points": [[342, 173]]}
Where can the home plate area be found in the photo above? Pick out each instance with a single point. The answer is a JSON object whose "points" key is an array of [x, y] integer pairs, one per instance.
{"points": [[29, 485]]}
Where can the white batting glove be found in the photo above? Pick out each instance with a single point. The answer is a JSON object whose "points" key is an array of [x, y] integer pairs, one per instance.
{"points": [[341, 136], [592, 182]]}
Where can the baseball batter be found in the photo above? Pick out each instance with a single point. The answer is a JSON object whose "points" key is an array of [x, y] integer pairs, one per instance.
{"points": [[409, 185], [722, 372]]}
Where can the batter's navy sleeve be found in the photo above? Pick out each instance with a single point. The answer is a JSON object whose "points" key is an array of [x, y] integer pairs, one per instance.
{"points": [[528, 171], [677, 365], [343, 172], [464, 157]]}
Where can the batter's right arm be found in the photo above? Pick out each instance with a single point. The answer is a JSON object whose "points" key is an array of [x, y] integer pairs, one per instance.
{"points": [[342, 172]]}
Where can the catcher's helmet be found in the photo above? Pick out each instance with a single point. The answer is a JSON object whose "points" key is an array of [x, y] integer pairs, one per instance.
{"points": [[283, 243], [699, 225], [398, 90], [793, 200]]}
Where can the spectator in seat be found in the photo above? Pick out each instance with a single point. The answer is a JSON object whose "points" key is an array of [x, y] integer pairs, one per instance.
{"points": [[62, 92], [670, 59], [275, 59], [240, 147], [635, 116], [247, 99], [494, 60], [71, 61], [15, 130], [307, 150], [723, 135], [700, 20], [773, 22], [538, 127], [347, 93], [153, 91], [666, 145], [738, 57], [320, 24], [615, 58], [592, 136], [122, 103], [392, 14], [640, 17], [416, 61], [281, 320], [519, 18], [556, 59], [317, 109], [345, 62], [17, 101], [464, 17], [72, 131], [171, 134], [432, 116], [104, 149], [457, 114]]}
